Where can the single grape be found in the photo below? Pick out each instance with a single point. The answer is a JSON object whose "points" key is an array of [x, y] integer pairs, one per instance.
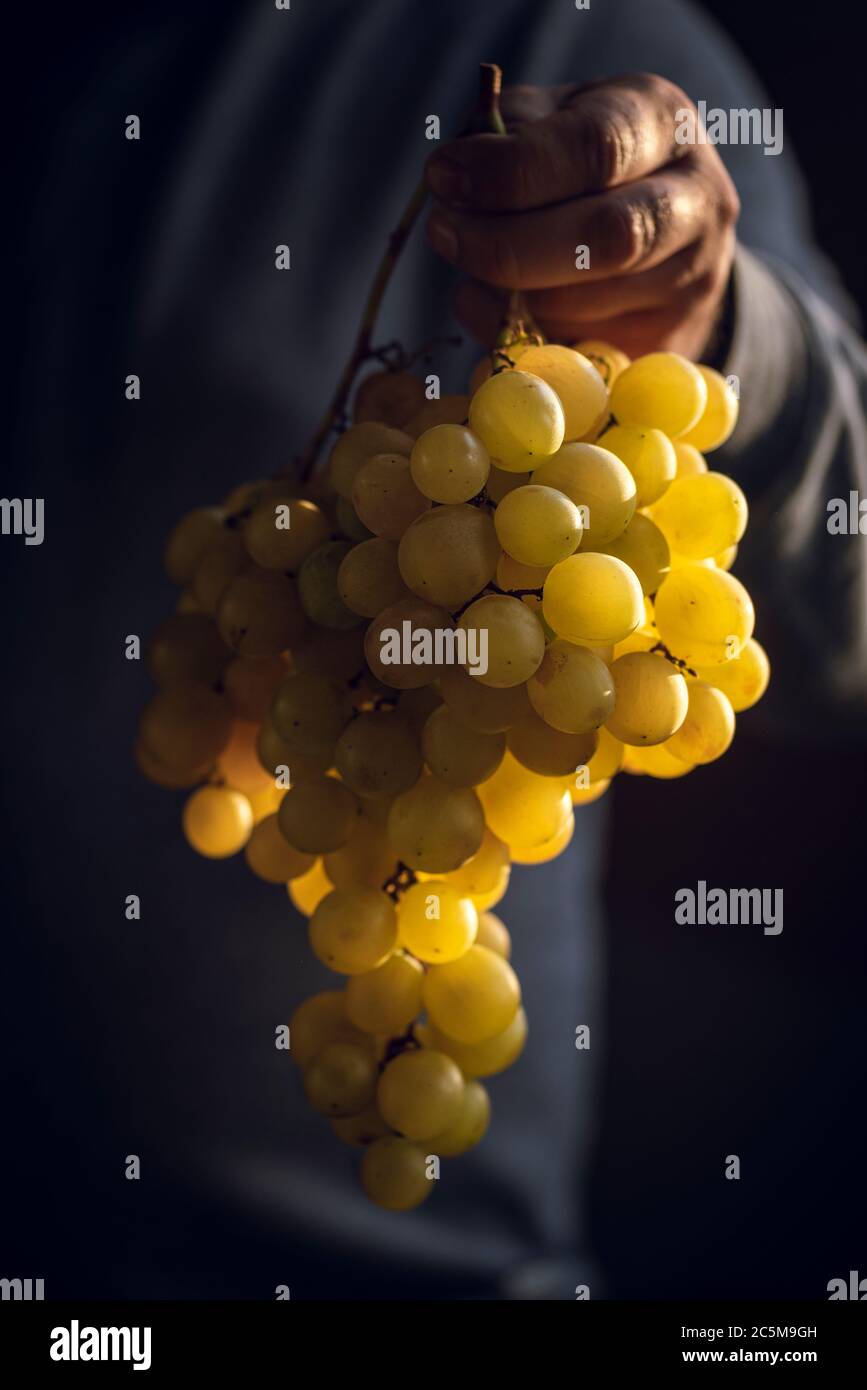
{"points": [[596, 480], [239, 765], [359, 443], [385, 1001], [353, 930], [522, 808], [549, 751], [317, 816], [217, 821], [575, 380], [378, 755], [719, 416], [385, 496], [448, 554], [435, 827], [708, 728], [651, 699], [494, 934], [518, 418], [473, 998], [186, 727], [458, 754], [388, 397], [744, 679], [319, 1023], [572, 689], [648, 454], [482, 707], [592, 598], [414, 647], [435, 922], [318, 587], [420, 1093], [189, 540], [486, 1058], [308, 891], [608, 360], [369, 578], [394, 1174], [661, 390], [704, 616], [341, 1080], [507, 635], [251, 683], [270, 856], [260, 614], [470, 1126], [448, 410], [309, 714], [365, 861], [538, 525], [449, 464], [702, 515]]}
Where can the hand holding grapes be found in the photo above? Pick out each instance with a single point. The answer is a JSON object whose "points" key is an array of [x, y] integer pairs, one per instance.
{"points": [[597, 166]]}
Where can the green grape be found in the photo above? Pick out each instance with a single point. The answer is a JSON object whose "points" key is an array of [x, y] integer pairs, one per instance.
{"points": [[341, 1080], [388, 396], [537, 525], [708, 729], [644, 549], [689, 461], [378, 755], [239, 766], [519, 420], [420, 1093], [720, 414], [656, 761], [435, 827], [459, 755], [607, 760], [217, 821], [186, 647], [592, 598], [481, 873], [542, 854], [366, 860], [359, 443], [251, 683], [471, 1125], [274, 754], [703, 515], [648, 454], [494, 934], [317, 816], [270, 856], [514, 637], [415, 706], [486, 1058], [608, 360], [318, 587], [425, 622], [173, 779], [522, 808], [435, 922], [447, 410], [318, 1023], [385, 496], [449, 464], [186, 726], [482, 707], [360, 1130], [259, 614], [500, 483], [578, 385], [369, 578], [511, 574], [353, 930], [473, 998], [661, 390], [548, 751], [331, 653], [309, 714], [223, 560], [307, 892], [744, 679], [595, 479], [385, 1001], [394, 1174], [189, 540], [283, 531], [572, 689], [449, 554], [348, 523], [704, 616], [650, 699]]}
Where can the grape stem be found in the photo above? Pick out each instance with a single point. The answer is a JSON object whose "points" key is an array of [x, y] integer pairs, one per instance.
{"points": [[675, 660]]}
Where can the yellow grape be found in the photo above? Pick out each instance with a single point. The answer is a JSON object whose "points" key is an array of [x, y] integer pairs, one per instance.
{"points": [[369, 578], [511, 574], [572, 689], [388, 397], [186, 647], [726, 558], [341, 1080], [378, 754], [708, 729], [539, 746], [704, 616], [185, 727], [500, 483], [514, 636], [608, 758], [171, 778], [538, 525], [448, 410], [394, 1174], [318, 815], [518, 418], [420, 1093], [270, 856], [435, 923], [347, 522], [260, 614], [239, 765], [449, 554], [596, 479], [494, 895], [689, 461], [425, 621], [481, 873], [542, 854], [281, 532], [494, 934], [648, 454], [650, 699], [265, 802], [470, 1126], [365, 861], [217, 821], [275, 755], [318, 589], [644, 549], [522, 808], [318, 1023], [703, 515], [583, 796], [385, 496], [720, 414], [485, 1058], [435, 827], [657, 761], [353, 930], [661, 390], [251, 683], [189, 540], [449, 464], [309, 714], [608, 360], [744, 679], [385, 1001], [359, 443], [459, 755], [473, 998], [361, 1129], [592, 598], [224, 560], [575, 381], [308, 891], [483, 707]]}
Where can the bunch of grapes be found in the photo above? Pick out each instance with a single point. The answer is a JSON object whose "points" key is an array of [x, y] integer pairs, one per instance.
{"points": [[564, 513]]}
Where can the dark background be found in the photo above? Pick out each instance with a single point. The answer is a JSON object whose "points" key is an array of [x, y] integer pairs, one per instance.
{"points": [[723, 1044]]}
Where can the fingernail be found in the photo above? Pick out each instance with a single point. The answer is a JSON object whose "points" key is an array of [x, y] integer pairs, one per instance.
{"points": [[442, 235], [449, 180]]}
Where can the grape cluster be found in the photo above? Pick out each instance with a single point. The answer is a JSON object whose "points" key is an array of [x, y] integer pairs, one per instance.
{"points": [[564, 511]]}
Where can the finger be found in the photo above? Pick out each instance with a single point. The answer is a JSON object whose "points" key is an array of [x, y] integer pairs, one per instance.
{"points": [[480, 310], [688, 275], [600, 136], [627, 229]]}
